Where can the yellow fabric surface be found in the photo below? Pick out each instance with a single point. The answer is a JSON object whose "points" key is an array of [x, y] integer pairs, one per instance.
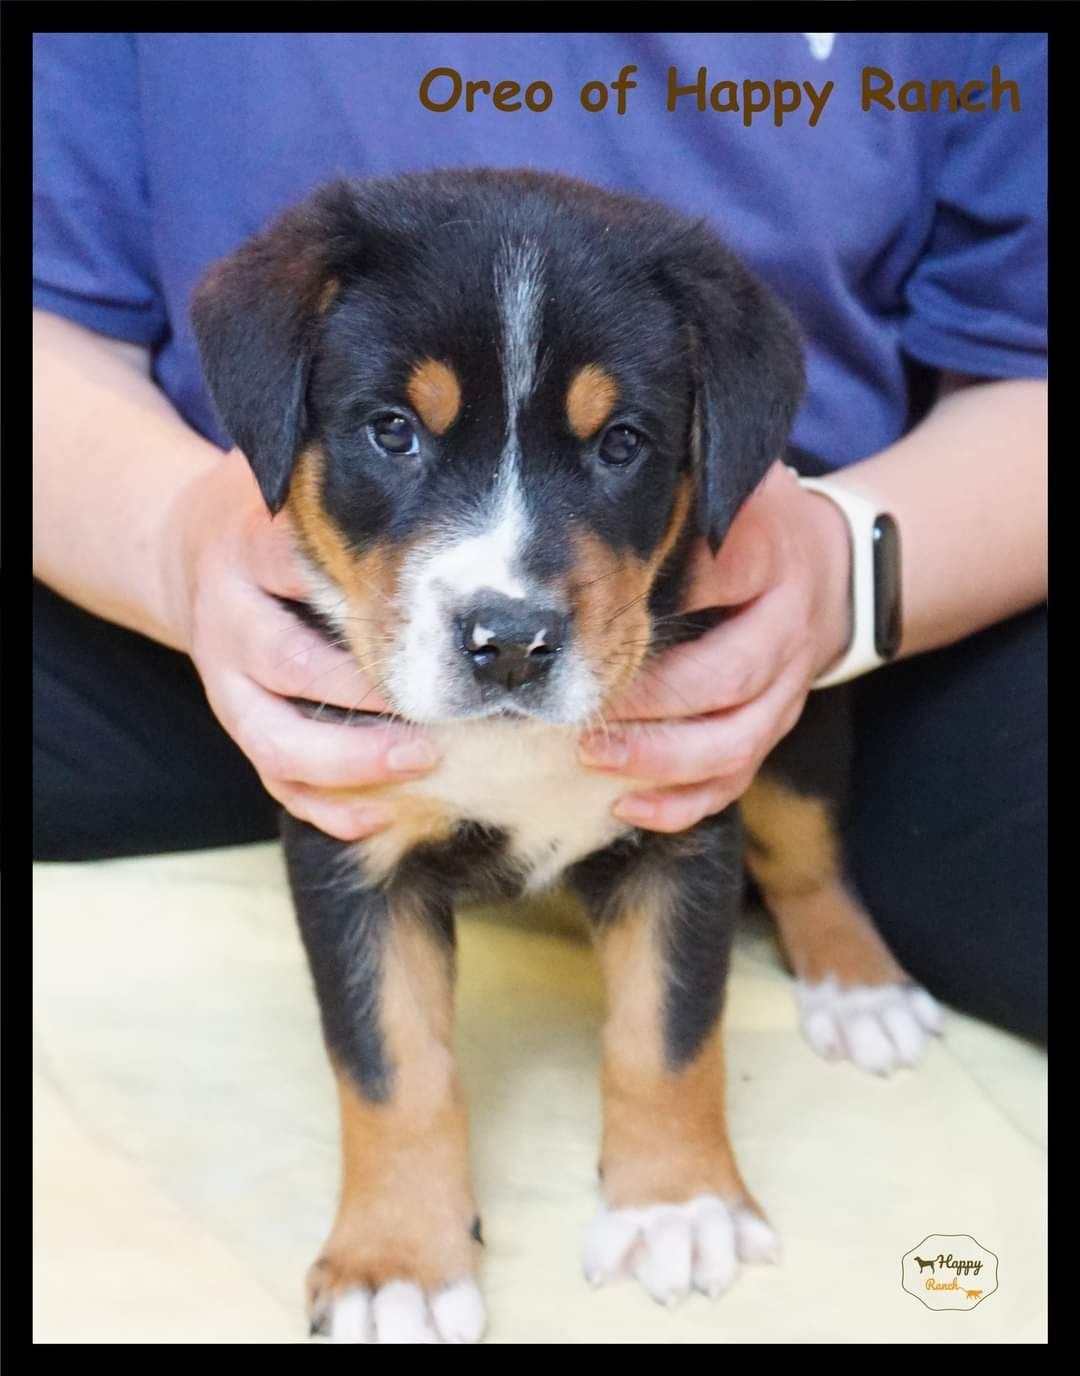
{"points": [[186, 1140]]}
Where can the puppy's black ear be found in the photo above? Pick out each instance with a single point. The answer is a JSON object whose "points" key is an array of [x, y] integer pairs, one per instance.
{"points": [[257, 316], [747, 370]]}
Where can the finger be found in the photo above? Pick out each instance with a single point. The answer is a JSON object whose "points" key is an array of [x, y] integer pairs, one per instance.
{"points": [[730, 665], [286, 657], [340, 818], [284, 745], [693, 750], [688, 751], [676, 809]]}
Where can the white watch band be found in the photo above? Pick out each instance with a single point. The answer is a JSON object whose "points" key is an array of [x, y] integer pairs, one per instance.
{"points": [[861, 515]]}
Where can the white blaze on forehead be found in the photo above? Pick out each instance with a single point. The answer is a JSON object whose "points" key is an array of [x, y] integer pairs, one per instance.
{"points": [[519, 290], [486, 554], [486, 551]]}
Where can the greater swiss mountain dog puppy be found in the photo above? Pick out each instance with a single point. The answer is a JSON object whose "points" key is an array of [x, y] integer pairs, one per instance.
{"points": [[500, 408]]}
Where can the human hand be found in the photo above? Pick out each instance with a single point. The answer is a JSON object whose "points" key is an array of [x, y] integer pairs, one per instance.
{"points": [[699, 720], [251, 653]]}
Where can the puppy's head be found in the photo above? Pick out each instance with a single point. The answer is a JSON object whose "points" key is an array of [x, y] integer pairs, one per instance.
{"points": [[499, 406]]}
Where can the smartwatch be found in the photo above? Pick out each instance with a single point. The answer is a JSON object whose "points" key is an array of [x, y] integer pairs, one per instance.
{"points": [[875, 583]]}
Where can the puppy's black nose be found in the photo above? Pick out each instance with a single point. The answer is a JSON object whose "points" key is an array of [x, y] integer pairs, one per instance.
{"points": [[511, 642]]}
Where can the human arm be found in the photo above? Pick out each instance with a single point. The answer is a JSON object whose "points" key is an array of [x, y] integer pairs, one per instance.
{"points": [[141, 521]]}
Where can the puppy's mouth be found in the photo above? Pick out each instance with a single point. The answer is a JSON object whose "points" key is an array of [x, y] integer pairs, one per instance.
{"points": [[495, 656], [454, 695]]}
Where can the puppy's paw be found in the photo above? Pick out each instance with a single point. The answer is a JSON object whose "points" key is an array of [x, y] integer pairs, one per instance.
{"points": [[879, 1027], [399, 1311], [670, 1248]]}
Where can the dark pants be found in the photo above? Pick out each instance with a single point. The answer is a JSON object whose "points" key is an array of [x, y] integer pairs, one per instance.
{"points": [[948, 838]]}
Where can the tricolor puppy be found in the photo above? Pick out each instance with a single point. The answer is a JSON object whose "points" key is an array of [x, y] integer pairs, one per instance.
{"points": [[501, 407]]}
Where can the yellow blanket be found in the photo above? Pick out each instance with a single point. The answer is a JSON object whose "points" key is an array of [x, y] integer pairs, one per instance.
{"points": [[186, 1148]]}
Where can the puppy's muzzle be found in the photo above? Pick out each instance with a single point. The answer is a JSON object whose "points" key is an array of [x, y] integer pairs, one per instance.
{"points": [[510, 643]]}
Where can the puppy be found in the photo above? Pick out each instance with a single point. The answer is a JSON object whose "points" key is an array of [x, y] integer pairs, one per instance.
{"points": [[500, 408]]}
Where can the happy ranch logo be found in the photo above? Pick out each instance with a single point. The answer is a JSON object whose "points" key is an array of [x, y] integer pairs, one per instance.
{"points": [[949, 1271]]}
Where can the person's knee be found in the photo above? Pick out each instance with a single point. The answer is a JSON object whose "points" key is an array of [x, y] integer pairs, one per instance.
{"points": [[948, 829]]}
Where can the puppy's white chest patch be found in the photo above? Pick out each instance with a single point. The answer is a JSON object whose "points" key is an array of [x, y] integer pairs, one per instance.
{"points": [[524, 777]]}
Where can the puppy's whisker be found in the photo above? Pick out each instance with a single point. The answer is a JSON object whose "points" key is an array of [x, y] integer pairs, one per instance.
{"points": [[593, 581], [634, 601], [358, 671], [355, 671], [371, 587], [378, 686], [342, 644], [668, 688]]}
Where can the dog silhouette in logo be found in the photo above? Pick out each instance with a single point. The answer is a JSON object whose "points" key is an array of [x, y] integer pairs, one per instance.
{"points": [[923, 1264], [973, 1294]]}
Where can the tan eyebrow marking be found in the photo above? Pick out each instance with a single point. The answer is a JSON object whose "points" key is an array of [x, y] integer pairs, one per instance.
{"points": [[434, 390], [590, 400]]}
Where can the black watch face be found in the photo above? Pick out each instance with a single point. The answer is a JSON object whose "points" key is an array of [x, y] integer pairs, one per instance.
{"points": [[887, 616]]}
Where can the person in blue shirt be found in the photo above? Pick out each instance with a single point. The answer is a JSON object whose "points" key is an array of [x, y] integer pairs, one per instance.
{"points": [[909, 244]]}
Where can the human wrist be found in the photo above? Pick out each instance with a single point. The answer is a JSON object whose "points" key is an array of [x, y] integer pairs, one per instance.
{"points": [[189, 518], [831, 543]]}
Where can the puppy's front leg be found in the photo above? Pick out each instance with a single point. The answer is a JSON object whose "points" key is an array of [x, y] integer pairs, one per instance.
{"points": [[674, 1211], [400, 1261]]}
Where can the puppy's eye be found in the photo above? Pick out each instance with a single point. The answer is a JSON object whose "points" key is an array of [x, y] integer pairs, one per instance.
{"points": [[620, 445], [394, 434]]}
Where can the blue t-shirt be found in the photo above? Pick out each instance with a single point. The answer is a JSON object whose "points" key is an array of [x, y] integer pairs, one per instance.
{"points": [[885, 231]]}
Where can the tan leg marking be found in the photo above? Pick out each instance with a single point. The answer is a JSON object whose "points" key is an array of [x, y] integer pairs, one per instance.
{"points": [[794, 856], [406, 1200], [665, 1133]]}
